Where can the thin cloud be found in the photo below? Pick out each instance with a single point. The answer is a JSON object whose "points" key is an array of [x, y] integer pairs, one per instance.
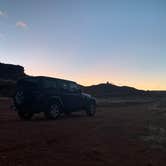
{"points": [[3, 13], [21, 24]]}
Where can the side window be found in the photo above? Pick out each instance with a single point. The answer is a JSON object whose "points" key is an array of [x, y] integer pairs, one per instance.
{"points": [[64, 86], [73, 87], [28, 83], [69, 87], [49, 84]]}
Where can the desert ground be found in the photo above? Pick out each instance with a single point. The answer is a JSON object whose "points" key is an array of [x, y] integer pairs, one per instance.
{"points": [[123, 133]]}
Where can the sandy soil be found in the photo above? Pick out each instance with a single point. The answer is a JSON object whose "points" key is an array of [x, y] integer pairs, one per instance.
{"points": [[115, 136]]}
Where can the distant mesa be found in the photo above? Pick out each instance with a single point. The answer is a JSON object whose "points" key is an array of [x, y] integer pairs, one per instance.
{"points": [[108, 90]]}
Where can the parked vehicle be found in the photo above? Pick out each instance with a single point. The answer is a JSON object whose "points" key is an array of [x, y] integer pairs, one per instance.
{"points": [[52, 96]]}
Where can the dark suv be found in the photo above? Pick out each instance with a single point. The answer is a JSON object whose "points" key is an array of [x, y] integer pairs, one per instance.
{"points": [[52, 96]]}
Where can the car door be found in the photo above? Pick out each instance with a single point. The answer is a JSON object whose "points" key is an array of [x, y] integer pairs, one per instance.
{"points": [[48, 89], [71, 97], [77, 98]]}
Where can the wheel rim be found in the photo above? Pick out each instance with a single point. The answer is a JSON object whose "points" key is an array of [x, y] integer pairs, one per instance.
{"points": [[54, 110]]}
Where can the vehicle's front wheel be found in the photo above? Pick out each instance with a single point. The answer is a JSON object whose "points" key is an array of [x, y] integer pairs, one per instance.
{"points": [[25, 115], [91, 109], [53, 111]]}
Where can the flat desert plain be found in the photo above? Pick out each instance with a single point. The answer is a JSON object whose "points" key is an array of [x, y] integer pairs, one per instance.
{"points": [[123, 133]]}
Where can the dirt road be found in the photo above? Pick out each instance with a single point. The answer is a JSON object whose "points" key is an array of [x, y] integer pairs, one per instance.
{"points": [[112, 137]]}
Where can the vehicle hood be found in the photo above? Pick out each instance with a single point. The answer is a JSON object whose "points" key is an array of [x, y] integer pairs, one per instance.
{"points": [[87, 96]]}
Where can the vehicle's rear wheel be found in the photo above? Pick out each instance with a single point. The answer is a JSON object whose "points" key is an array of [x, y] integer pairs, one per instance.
{"points": [[53, 111], [25, 115], [91, 109]]}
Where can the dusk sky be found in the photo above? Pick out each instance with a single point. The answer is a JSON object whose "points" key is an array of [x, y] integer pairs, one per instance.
{"points": [[88, 41]]}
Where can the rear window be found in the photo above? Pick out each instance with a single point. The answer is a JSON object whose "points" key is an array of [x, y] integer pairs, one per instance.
{"points": [[27, 83]]}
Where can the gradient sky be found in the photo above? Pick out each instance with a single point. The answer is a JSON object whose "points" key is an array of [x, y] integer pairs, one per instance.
{"points": [[88, 41]]}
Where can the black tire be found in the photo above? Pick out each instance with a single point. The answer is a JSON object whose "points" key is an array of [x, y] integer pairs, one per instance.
{"points": [[25, 115], [91, 109], [54, 110]]}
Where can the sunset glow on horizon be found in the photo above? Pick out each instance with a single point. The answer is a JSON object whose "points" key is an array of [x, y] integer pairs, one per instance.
{"points": [[90, 42], [119, 80]]}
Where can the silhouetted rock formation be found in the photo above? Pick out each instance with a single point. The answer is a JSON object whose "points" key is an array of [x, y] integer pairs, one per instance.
{"points": [[108, 90], [11, 72]]}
